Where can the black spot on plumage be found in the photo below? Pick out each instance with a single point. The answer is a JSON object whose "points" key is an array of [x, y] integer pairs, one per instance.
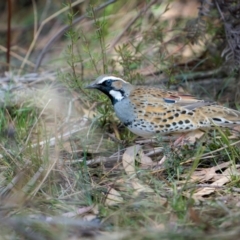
{"points": [[168, 125], [169, 100], [127, 123], [176, 114], [217, 119], [164, 120], [187, 121], [171, 118], [180, 122], [184, 112]]}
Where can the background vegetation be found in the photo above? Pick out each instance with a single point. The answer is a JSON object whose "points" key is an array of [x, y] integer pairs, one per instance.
{"points": [[68, 168]]}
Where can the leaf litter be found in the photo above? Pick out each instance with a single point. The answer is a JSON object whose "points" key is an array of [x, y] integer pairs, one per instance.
{"points": [[103, 153], [112, 171]]}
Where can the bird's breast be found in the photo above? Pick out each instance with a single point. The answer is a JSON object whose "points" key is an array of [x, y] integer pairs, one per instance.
{"points": [[124, 110]]}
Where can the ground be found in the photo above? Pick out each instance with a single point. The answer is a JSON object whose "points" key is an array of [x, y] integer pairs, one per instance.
{"points": [[68, 168]]}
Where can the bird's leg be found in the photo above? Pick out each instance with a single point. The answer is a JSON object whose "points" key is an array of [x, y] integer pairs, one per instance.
{"points": [[180, 140], [188, 137]]}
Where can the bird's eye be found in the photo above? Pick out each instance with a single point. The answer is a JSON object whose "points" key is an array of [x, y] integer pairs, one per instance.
{"points": [[108, 83]]}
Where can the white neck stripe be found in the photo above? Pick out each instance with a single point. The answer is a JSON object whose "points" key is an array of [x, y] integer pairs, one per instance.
{"points": [[116, 94]]}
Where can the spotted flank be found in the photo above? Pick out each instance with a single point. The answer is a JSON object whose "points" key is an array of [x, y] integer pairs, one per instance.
{"points": [[150, 111], [182, 114]]}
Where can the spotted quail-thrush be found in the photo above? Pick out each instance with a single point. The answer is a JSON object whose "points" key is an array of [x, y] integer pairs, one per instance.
{"points": [[148, 111]]}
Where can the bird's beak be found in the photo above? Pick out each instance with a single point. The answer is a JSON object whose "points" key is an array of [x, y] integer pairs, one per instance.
{"points": [[91, 86]]}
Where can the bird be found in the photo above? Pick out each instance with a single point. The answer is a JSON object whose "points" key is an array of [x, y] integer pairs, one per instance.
{"points": [[149, 111]]}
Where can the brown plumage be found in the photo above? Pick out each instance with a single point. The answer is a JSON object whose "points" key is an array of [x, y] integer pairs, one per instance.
{"points": [[150, 111]]}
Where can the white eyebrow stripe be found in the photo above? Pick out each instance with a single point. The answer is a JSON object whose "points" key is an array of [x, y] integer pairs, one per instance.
{"points": [[110, 77]]}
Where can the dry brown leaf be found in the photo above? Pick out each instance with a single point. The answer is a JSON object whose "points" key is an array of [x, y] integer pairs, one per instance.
{"points": [[89, 217], [129, 167], [77, 212], [89, 113], [139, 187], [203, 192], [194, 216], [226, 177], [113, 198], [163, 159], [145, 160], [128, 159], [206, 174], [193, 136], [203, 175]]}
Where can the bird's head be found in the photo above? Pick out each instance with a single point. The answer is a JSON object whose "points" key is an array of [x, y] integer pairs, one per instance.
{"points": [[115, 88]]}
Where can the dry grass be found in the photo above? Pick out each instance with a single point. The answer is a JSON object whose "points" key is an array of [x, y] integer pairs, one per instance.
{"points": [[69, 170]]}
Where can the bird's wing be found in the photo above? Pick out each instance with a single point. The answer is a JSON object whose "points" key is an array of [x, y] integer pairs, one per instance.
{"points": [[176, 99], [186, 101], [180, 107]]}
